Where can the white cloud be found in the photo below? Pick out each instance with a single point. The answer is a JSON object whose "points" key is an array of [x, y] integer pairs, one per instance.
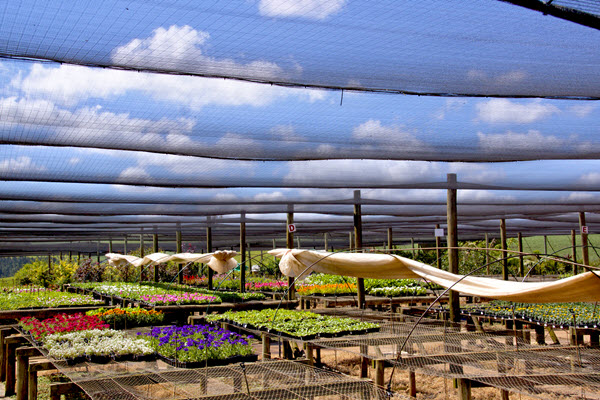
{"points": [[591, 179], [272, 196], [286, 133], [135, 173], [373, 131], [512, 143], [74, 160], [311, 9], [506, 111], [510, 78], [451, 105], [582, 196], [19, 165], [582, 110], [180, 48]]}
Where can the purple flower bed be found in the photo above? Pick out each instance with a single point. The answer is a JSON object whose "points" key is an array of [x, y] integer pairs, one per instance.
{"points": [[198, 343], [182, 298]]}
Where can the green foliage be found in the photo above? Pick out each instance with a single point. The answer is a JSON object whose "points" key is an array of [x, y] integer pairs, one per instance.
{"points": [[38, 273], [10, 265]]}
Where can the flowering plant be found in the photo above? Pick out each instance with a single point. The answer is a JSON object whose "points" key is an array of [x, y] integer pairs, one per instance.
{"points": [[61, 323], [43, 298], [329, 288], [94, 342], [398, 291], [181, 298], [128, 317], [193, 343]]}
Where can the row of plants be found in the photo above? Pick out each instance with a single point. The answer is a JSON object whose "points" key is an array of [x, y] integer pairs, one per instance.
{"points": [[233, 297], [97, 345], [397, 291], [129, 317], [555, 314], [296, 324], [192, 346], [150, 295], [61, 323], [35, 298], [227, 282]]}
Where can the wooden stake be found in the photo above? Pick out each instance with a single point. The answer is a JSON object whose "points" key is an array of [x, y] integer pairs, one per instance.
{"points": [[521, 261], [574, 250], [390, 239], [209, 250], [438, 250], [155, 250], [584, 239], [487, 253], [289, 243], [243, 252], [179, 245]]}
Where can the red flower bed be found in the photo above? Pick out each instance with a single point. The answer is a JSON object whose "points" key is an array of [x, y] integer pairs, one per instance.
{"points": [[61, 323]]}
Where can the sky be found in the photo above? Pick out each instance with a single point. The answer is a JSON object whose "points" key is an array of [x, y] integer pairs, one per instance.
{"points": [[117, 133]]}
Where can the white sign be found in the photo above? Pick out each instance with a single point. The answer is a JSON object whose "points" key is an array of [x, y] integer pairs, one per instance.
{"points": [[438, 232], [584, 229], [292, 228]]}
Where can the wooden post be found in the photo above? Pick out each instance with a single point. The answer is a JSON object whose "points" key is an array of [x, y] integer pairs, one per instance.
{"points": [[110, 248], [379, 372], [504, 394], [97, 253], [487, 253], [412, 383], [11, 343], [412, 246], [125, 245], [584, 239], [545, 244], [242, 252], [452, 238], [521, 262], [155, 250], [503, 247], [34, 367], [49, 264], [574, 250], [23, 354], [360, 282], [464, 389], [325, 245], [142, 252], [266, 346], [179, 249], [209, 250], [71, 252], [289, 243], [364, 361], [438, 250], [4, 333], [390, 240]]}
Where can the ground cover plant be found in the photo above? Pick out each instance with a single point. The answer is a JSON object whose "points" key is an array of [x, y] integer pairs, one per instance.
{"points": [[324, 284], [556, 314], [61, 323], [96, 345], [223, 295], [128, 317], [299, 324], [151, 295], [223, 281], [13, 299], [197, 343]]}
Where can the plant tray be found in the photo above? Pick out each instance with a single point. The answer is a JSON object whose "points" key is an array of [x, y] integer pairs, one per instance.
{"points": [[210, 363]]}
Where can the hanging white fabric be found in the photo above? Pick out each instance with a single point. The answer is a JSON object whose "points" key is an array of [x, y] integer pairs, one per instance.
{"points": [[300, 263], [220, 261]]}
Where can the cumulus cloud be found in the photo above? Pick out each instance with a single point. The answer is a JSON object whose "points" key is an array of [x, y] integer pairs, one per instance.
{"points": [[373, 131], [590, 179], [519, 144], [507, 111], [22, 164], [180, 48], [582, 110], [286, 133], [310, 9], [451, 105]]}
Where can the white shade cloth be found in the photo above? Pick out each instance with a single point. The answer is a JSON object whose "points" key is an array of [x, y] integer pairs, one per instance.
{"points": [[299, 263], [219, 261]]}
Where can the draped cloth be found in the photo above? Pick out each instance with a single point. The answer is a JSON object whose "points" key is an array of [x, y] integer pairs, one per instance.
{"points": [[219, 261], [300, 263]]}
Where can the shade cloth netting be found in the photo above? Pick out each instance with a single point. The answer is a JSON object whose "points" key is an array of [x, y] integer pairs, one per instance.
{"points": [[219, 261], [299, 263]]}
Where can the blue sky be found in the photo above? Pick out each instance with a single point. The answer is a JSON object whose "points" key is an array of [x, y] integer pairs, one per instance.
{"points": [[379, 140]]}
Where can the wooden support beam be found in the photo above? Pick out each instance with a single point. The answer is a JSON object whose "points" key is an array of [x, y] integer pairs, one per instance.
{"points": [[464, 389], [438, 248], [380, 372], [325, 244], [34, 368], [11, 343], [289, 243], [155, 250], [390, 239], [552, 335], [487, 253], [364, 361], [22, 360], [266, 346], [584, 239], [179, 244], [412, 383], [58, 389], [574, 250], [209, 249], [503, 246], [521, 260], [452, 218], [360, 282], [4, 333], [142, 250]]}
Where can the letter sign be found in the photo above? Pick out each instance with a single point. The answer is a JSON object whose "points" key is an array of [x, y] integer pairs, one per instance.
{"points": [[292, 228], [439, 232], [584, 229]]}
